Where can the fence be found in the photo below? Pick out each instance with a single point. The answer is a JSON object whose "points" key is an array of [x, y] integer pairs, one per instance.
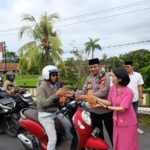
{"points": [[146, 95], [146, 100]]}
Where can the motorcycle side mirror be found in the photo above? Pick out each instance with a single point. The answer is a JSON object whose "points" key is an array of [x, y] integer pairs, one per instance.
{"points": [[63, 110], [72, 104]]}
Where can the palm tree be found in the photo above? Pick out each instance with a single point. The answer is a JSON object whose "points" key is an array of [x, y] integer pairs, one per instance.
{"points": [[44, 48], [91, 45]]}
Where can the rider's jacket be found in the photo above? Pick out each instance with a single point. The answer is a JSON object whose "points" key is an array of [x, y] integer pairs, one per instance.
{"points": [[9, 86], [46, 100]]}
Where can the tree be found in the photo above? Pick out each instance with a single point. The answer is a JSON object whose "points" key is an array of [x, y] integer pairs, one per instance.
{"points": [[140, 58], [74, 71], [11, 57], [71, 74], [45, 46], [114, 62], [146, 76], [91, 45]]}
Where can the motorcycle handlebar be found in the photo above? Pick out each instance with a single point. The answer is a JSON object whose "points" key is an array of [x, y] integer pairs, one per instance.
{"points": [[73, 104], [21, 91]]}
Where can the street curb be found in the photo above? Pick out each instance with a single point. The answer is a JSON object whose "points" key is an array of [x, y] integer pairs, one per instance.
{"points": [[144, 110]]}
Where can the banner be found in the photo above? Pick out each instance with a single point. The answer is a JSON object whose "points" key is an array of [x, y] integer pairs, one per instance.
{"points": [[1, 47], [1, 50]]}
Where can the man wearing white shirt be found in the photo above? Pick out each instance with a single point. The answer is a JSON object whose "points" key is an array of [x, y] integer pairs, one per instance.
{"points": [[136, 84]]}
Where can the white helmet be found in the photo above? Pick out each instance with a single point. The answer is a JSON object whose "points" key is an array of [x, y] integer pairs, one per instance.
{"points": [[47, 70]]}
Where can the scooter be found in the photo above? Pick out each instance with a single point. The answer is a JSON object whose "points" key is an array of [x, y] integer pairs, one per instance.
{"points": [[7, 123], [23, 100], [84, 137], [10, 107]]}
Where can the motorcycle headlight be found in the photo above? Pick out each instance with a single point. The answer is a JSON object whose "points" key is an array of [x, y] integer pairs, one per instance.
{"points": [[5, 108], [86, 117], [81, 125]]}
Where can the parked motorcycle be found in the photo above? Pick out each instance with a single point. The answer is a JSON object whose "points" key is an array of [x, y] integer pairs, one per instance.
{"points": [[10, 107], [84, 137], [7, 123], [23, 100]]}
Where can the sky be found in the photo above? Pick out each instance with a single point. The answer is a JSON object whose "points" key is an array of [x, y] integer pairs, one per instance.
{"points": [[114, 22]]}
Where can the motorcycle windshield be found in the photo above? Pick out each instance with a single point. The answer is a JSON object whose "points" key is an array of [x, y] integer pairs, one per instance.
{"points": [[27, 95]]}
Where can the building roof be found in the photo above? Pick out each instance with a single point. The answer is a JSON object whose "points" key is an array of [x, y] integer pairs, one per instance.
{"points": [[9, 66]]}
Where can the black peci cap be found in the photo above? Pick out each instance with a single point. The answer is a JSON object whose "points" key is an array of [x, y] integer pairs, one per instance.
{"points": [[94, 61], [129, 62]]}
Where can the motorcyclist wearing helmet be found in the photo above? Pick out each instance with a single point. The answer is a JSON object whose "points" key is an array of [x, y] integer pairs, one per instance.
{"points": [[41, 79], [48, 99], [1, 80], [10, 85]]}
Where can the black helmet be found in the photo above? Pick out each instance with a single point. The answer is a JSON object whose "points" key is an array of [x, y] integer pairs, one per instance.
{"points": [[10, 75]]}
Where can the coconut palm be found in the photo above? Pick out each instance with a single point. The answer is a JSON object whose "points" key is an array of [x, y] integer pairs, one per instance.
{"points": [[44, 48], [91, 45]]}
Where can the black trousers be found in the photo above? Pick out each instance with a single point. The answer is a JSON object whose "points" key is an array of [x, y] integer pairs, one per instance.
{"points": [[97, 121]]}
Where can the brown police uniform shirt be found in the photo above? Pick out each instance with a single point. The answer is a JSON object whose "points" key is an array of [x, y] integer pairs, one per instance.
{"points": [[100, 89]]}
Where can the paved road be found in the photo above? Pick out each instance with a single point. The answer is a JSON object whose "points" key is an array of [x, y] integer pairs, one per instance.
{"points": [[143, 139], [7, 143]]}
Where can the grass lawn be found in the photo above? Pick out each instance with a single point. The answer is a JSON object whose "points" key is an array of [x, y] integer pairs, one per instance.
{"points": [[148, 89], [27, 80], [144, 119]]}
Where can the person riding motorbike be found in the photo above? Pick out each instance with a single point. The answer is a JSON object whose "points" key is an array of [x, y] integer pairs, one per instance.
{"points": [[48, 99], [10, 84]]}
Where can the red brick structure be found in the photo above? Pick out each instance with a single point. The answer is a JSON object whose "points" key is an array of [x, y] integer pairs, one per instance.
{"points": [[9, 67]]}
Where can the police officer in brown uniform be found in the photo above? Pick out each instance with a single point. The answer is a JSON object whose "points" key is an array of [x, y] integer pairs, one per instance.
{"points": [[99, 82]]}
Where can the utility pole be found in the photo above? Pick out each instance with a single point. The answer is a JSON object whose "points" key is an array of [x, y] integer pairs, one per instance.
{"points": [[3, 50]]}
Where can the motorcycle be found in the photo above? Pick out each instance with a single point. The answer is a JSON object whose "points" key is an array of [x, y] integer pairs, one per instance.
{"points": [[22, 96], [84, 136], [23, 100], [9, 115], [8, 124]]}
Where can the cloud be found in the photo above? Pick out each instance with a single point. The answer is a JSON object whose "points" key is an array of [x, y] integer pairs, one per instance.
{"points": [[111, 27], [22, 6]]}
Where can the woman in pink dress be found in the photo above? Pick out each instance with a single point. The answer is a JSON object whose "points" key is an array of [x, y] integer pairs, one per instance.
{"points": [[124, 117]]}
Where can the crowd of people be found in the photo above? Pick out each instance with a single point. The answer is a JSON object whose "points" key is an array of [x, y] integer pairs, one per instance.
{"points": [[116, 98], [116, 103]]}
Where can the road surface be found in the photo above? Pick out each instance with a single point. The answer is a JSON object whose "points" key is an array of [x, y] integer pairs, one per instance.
{"points": [[7, 143]]}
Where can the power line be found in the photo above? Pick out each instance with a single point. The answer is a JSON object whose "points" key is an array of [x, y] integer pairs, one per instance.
{"points": [[127, 44], [9, 34], [89, 14], [94, 19], [121, 45], [97, 19], [114, 53], [104, 11], [10, 29]]}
